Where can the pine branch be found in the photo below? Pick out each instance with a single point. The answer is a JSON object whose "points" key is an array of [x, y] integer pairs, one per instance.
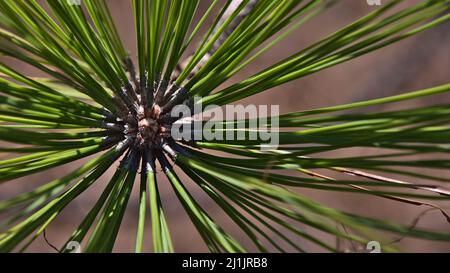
{"points": [[232, 26]]}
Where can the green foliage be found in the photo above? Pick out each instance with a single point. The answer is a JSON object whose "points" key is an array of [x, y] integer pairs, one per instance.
{"points": [[79, 111]]}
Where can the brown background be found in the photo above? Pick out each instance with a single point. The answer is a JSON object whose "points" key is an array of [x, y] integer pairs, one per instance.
{"points": [[419, 62]]}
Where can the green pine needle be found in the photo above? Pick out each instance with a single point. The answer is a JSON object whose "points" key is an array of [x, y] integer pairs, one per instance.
{"points": [[93, 102]]}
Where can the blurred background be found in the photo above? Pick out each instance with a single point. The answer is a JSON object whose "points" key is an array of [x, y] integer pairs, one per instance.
{"points": [[418, 62]]}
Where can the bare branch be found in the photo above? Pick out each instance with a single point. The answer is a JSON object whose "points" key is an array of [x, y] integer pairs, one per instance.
{"points": [[430, 188]]}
